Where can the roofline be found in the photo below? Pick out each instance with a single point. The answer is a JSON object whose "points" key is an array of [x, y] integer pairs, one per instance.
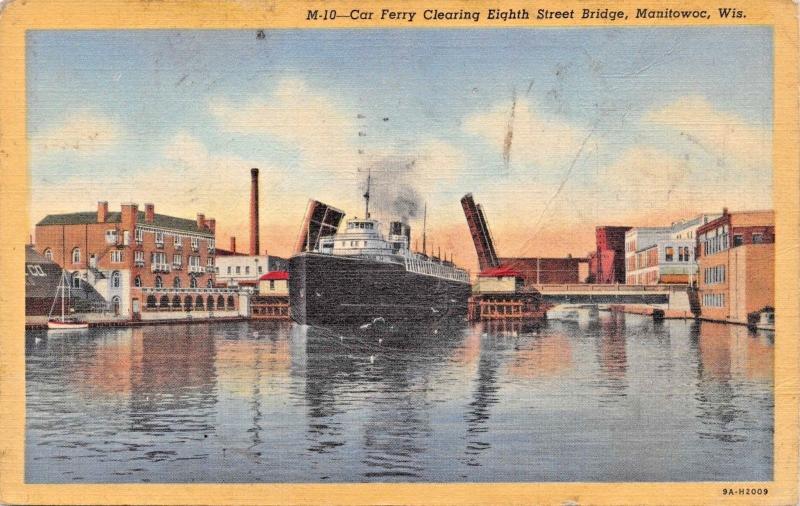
{"points": [[511, 259]]}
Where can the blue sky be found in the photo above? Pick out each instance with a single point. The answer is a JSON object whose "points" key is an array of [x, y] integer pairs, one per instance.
{"points": [[630, 126]]}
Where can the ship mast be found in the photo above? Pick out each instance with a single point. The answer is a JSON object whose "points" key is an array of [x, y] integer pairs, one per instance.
{"points": [[424, 227], [366, 195]]}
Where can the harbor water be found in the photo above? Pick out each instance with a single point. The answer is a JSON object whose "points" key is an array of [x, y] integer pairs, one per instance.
{"points": [[595, 398]]}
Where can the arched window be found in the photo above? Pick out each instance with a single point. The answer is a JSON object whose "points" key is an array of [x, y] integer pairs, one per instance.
{"points": [[230, 301], [193, 282], [158, 282], [115, 305], [76, 280], [198, 302], [187, 303], [76, 256], [176, 302], [151, 301], [220, 302], [163, 302], [137, 281], [48, 254], [115, 279], [210, 304], [209, 283], [176, 283]]}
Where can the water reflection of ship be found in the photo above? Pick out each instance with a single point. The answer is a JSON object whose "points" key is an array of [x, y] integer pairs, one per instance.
{"points": [[262, 360], [347, 369]]}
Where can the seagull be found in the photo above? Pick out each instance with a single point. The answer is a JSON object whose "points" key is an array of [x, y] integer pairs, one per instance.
{"points": [[372, 359], [380, 340]]}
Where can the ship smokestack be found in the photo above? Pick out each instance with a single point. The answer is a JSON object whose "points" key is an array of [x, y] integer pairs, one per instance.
{"points": [[254, 238], [401, 229]]}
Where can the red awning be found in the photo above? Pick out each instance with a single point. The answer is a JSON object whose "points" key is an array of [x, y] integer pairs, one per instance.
{"points": [[274, 275]]}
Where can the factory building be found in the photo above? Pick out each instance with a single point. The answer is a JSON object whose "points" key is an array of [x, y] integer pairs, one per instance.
{"points": [[236, 269], [736, 260], [549, 271], [607, 262]]}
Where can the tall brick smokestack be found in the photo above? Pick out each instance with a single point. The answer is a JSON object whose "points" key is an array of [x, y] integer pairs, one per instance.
{"points": [[254, 242]]}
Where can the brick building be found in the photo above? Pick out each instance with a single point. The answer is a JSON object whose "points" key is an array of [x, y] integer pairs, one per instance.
{"points": [[549, 271], [121, 254], [607, 263], [736, 259]]}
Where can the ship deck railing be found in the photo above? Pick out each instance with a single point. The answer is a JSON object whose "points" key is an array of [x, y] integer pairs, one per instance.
{"points": [[411, 263], [435, 269]]}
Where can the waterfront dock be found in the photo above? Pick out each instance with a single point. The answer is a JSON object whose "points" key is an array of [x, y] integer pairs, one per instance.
{"points": [[41, 324]]}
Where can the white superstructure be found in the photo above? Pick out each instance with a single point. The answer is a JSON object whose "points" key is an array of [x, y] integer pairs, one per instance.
{"points": [[363, 238]]}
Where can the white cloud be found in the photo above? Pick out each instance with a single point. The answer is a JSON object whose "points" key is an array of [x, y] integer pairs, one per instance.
{"points": [[300, 118], [191, 175], [537, 138], [323, 131], [83, 133], [645, 168], [651, 186], [726, 137]]}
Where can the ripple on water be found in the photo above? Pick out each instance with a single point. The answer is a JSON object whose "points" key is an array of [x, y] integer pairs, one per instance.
{"points": [[221, 403]]}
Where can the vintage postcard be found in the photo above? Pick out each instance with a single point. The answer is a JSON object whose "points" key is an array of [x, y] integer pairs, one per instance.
{"points": [[426, 252]]}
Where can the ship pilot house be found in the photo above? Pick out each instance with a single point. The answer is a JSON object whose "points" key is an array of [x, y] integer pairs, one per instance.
{"points": [[363, 237]]}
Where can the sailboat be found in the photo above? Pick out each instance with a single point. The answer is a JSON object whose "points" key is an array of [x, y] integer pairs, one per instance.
{"points": [[64, 322]]}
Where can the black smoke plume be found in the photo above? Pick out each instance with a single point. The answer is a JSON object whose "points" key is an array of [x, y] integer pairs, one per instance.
{"points": [[393, 192]]}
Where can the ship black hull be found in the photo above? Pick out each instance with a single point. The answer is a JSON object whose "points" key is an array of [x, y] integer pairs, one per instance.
{"points": [[330, 290]]}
